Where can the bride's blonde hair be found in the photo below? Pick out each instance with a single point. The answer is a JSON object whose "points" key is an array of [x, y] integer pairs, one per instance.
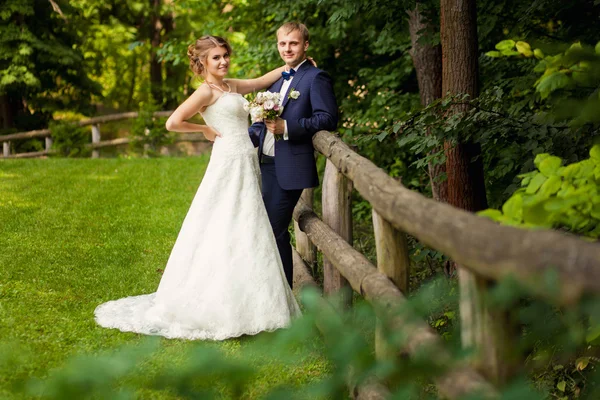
{"points": [[198, 51]]}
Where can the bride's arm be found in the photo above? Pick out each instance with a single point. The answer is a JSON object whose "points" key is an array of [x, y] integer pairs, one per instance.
{"points": [[199, 99], [244, 86]]}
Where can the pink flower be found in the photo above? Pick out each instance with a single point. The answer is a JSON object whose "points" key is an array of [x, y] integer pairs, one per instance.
{"points": [[276, 108], [269, 104]]}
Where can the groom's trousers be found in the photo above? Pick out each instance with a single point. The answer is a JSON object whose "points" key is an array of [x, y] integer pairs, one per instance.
{"points": [[280, 205]]}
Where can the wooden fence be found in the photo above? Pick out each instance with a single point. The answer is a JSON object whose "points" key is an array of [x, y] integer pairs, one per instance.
{"points": [[485, 251], [96, 142]]}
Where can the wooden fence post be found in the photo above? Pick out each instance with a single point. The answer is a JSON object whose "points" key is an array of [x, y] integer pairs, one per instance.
{"points": [[95, 139], [304, 246], [489, 333], [48, 142], [6, 149], [337, 213], [393, 262]]}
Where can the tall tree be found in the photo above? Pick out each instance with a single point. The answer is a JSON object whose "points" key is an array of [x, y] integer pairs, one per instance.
{"points": [[481, 330], [464, 167], [427, 58], [41, 66]]}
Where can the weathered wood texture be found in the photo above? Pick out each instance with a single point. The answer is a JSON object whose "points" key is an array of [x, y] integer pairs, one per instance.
{"points": [[32, 154], [488, 331], [307, 250], [480, 329], [182, 137], [378, 289], [371, 389], [392, 252], [393, 262], [491, 250], [95, 140], [337, 213], [302, 274], [91, 121]]}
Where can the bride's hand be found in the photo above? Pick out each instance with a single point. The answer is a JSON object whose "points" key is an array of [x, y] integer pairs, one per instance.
{"points": [[312, 61], [211, 134]]}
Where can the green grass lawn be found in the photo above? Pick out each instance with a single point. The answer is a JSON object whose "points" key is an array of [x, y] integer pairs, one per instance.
{"points": [[77, 232]]}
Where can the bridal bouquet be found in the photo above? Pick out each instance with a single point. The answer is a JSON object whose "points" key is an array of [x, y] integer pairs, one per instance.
{"points": [[265, 106]]}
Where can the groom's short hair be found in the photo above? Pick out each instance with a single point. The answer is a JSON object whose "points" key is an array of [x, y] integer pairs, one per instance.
{"points": [[293, 26]]}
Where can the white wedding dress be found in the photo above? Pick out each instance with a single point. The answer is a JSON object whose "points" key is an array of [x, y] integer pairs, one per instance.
{"points": [[224, 277]]}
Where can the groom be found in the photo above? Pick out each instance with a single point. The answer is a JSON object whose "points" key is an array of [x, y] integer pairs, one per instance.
{"points": [[285, 150]]}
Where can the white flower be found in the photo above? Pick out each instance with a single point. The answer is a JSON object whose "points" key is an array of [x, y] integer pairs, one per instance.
{"points": [[269, 104], [257, 114], [294, 94]]}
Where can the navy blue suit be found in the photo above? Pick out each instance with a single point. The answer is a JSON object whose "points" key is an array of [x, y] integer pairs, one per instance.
{"points": [[294, 168]]}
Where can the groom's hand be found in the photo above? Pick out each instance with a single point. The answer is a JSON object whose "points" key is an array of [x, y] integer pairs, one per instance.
{"points": [[276, 126]]}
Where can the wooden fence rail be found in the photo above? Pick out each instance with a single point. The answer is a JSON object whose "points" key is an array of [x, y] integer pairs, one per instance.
{"points": [[96, 142], [488, 251]]}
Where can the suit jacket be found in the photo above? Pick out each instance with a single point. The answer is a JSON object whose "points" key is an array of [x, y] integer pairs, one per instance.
{"points": [[314, 110]]}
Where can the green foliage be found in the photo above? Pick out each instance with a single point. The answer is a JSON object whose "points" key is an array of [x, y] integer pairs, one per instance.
{"points": [[41, 61], [148, 131], [126, 212], [70, 139], [556, 196], [574, 73], [78, 232]]}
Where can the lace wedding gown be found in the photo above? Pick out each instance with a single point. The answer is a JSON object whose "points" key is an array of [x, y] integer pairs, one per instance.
{"points": [[224, 277]]}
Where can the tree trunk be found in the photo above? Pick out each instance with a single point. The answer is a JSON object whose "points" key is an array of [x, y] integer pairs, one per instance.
{"points": [[9, 108], [172, 78], [464, 167], [155, 65], [483, 329], [427, 59]]}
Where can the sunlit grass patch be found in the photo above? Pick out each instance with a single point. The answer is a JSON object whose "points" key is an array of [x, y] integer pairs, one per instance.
{"points": [[77, 232]]}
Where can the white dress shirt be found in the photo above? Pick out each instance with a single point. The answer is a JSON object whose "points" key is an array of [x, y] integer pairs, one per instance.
{"points": [[269, 143]]}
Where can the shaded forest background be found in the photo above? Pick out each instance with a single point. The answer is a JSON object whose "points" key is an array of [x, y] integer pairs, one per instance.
{"points": [[64, 60], [489, 124]]}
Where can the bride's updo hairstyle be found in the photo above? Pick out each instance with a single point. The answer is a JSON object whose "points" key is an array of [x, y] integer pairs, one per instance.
{"points": [[198, 51]]}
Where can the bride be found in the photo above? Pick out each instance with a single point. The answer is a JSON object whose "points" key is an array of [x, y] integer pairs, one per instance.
{"points": [[224, 277]]}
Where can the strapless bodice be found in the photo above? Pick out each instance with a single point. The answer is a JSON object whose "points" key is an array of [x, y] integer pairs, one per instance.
{"points": [[228, 116]]}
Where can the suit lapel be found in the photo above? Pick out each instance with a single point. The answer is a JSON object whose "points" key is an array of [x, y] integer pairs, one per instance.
{"points": [[296, 81], [276, 88]]}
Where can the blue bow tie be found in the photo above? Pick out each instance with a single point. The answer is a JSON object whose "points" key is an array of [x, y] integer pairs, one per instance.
{"points": [[288, 75]]}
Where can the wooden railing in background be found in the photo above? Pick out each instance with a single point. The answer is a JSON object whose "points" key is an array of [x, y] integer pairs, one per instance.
{"points": [[96, 142], [488, 250]]}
